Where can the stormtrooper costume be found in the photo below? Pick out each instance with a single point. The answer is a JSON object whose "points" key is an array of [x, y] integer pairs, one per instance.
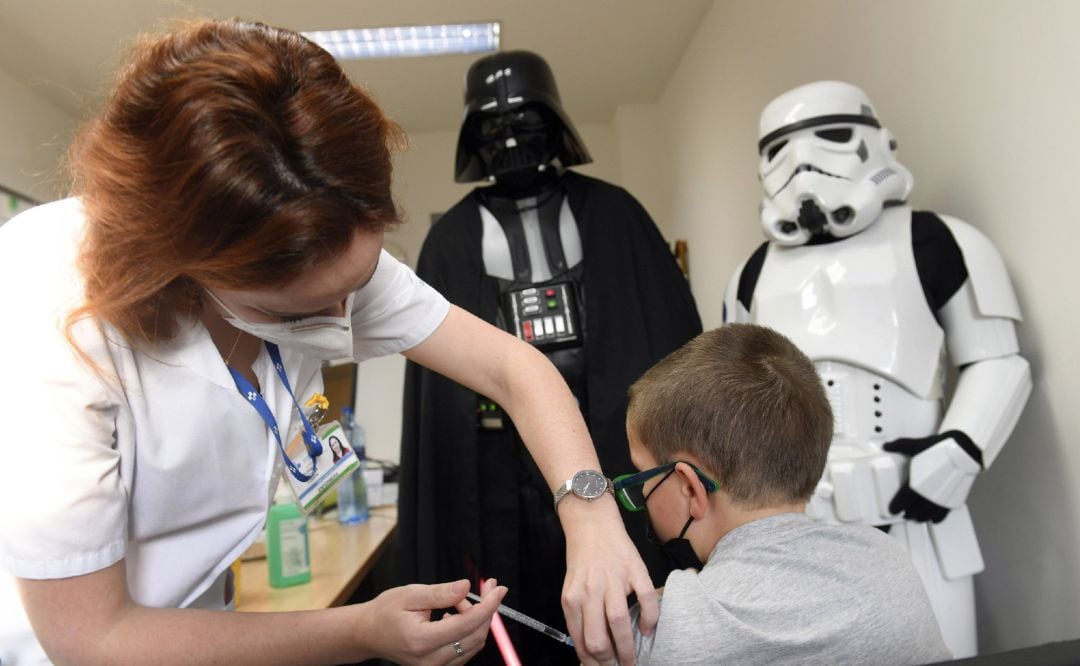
{"points": [[570, 264], [883, 299]]}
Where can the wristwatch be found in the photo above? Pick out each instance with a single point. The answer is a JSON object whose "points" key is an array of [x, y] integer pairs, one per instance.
{"points": [[588, 484]]}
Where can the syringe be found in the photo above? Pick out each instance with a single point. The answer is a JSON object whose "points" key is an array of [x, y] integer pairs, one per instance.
{"points": [[530, 622]]}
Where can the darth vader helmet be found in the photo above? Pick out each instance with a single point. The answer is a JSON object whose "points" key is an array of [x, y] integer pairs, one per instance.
{"points": [[827, 165], [514, 123]]}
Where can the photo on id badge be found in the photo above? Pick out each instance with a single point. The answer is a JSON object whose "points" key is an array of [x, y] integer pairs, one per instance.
{"points": [[322, 472]]}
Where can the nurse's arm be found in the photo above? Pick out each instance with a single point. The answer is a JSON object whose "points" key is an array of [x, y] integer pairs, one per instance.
{"points": [[603, 566], [92, 620]]}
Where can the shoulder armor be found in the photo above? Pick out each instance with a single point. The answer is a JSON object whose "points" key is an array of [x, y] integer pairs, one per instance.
{"points": [[733, 309], [994, 294]]}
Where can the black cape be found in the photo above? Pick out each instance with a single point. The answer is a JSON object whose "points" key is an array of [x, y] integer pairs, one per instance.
{"points": [[472, 503]]}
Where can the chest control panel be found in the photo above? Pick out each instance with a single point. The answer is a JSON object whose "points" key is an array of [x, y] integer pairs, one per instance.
{"points": [[544, 315]]}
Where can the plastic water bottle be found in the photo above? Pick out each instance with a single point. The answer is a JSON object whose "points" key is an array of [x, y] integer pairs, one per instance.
{"points": [[352, 501]]}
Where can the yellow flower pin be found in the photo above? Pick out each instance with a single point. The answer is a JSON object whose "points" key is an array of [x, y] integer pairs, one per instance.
{"points": [[319, 401]]}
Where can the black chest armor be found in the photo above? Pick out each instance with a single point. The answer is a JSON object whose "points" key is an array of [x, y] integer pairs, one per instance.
{"points": [[539, 268]]}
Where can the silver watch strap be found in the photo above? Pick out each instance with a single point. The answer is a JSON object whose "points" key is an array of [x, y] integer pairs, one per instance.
{"points": [[562, 491]]}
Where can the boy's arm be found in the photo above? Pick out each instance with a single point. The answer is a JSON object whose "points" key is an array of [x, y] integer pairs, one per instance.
{"points": [[643, 644]]}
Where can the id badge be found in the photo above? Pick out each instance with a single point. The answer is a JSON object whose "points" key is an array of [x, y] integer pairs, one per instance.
{"points": [[333, 464]]}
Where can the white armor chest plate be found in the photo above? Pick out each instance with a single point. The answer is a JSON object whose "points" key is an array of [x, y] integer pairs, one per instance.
{"points": [[858, 301]]}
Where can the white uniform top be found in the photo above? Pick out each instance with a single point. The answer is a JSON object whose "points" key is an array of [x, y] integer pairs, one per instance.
{"points": [[170, 468]]}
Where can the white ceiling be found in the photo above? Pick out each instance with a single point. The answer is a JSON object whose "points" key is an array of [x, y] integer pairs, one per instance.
{"points": [[604, 52]]}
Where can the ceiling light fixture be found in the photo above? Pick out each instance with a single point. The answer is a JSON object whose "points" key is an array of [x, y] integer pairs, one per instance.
{"points": [[408, 41]]}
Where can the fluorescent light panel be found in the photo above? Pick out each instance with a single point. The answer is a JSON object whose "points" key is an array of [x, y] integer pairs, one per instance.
{"points": [[408, 41]]}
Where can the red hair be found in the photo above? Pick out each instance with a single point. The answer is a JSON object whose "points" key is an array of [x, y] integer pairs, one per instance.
{"points": [[230, 154]]}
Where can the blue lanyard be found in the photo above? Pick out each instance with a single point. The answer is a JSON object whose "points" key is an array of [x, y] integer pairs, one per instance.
{"points": [[314, 446]]}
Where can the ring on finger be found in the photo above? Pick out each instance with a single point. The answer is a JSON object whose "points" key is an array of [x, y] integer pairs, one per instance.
{"points": [[457, 648]]}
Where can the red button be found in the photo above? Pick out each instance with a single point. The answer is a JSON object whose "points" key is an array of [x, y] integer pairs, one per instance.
{"points": [[526, 329], [549, 293]]}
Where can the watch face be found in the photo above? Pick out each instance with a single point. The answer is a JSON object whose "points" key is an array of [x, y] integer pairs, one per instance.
{"points": [[589, 484]]}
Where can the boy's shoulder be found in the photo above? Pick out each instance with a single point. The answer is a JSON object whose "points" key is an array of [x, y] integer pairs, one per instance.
{"points": [[833, 592], [795, 552], [782, 535]]}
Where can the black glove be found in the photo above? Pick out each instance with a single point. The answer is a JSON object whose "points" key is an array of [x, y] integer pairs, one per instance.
{"points": [[909, 502], [916, 507]]}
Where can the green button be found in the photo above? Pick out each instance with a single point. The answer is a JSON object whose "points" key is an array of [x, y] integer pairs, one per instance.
{"points": [[552, 304]]}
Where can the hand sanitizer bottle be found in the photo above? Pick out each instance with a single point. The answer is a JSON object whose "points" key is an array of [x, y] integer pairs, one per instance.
{"points": [[287, 551]]}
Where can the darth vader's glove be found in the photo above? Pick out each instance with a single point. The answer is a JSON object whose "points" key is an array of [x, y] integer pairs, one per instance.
{"points": [[943, 468]]}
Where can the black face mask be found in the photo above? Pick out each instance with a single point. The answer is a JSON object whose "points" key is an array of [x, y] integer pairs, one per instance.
{"points": [[678, 551], [536, 132]]}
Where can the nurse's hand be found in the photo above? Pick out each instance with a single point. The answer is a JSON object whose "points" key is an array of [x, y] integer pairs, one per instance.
{"points": [[602, 568], [400, 627]]}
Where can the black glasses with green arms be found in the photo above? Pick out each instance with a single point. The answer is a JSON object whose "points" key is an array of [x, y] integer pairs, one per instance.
{"points": [[630, 493]]}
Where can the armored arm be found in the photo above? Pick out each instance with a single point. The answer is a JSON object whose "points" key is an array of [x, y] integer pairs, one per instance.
{"points": [[992, 387]]}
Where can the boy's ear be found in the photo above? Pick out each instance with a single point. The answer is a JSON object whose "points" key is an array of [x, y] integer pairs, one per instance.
{"points": [[694, 490]]}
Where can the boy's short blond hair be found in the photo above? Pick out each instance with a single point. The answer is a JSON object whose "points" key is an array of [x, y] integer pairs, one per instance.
{"points": [[748, 404]]}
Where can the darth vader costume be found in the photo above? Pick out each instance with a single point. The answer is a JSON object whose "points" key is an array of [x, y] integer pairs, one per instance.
{"points": [[576, 267]]}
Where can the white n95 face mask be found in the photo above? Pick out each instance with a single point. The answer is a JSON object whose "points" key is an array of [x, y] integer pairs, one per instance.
{"points": [[325, 338]]}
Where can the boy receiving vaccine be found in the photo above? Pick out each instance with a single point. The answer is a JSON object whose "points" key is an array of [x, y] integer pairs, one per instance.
{"points": [[731, 434]]}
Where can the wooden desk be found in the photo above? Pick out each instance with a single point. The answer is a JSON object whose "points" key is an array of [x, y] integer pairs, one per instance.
{"points": [[341, 555]]}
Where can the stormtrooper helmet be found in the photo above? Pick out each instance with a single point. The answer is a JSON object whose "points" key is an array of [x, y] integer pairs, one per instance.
{"points": [[514, 123], [828, 167]]}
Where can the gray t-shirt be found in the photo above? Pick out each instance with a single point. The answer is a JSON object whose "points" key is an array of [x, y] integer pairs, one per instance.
{"points": [[785, 589]]}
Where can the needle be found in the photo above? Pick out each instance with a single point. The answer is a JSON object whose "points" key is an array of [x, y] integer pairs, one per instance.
{"points": [[530, 622]]}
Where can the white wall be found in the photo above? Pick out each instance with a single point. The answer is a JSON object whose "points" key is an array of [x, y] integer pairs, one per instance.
{"points": [[33, 137], [984, 98], [644, 160], [424, 184]]}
